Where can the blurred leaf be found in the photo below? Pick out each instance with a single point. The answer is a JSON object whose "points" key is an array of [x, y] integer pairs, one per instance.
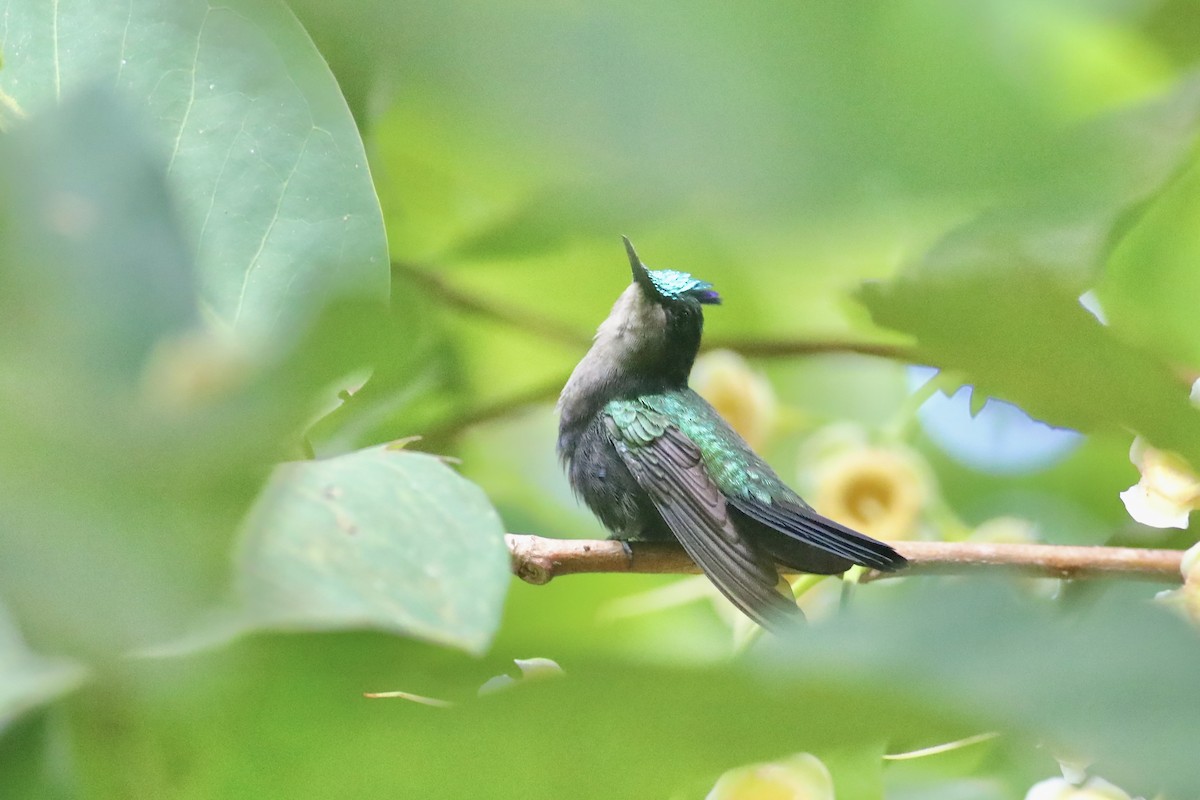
{"points": [[1006, 289], [261, 153], [1152, 280], [415, 378], [857, 771], [1113, 681], [978, 401], [1018, 334], [555, 217], [612, 729], [1068, 225], [792, 108], [132, 437], [912, 669], [129, 444], [378, 538], [28, 680]]}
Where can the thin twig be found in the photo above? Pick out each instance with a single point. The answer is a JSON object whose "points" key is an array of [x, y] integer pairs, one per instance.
{"points": [[777, 348], [553, 329], [521, 318], [786, 348], [537, 560], [454, 427]]}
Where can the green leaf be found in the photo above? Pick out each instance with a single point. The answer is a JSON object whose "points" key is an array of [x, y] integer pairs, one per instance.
{"points": [[130, 441], [231, 191], [1152, 277], [1113, 681], [978, 401], [806, 106], [378, 538], [261, 152], [643, 729], [911, 666], [1019, 334]]}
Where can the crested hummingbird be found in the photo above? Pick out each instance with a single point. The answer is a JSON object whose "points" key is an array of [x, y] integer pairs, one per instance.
{"points": [[655, 462]]}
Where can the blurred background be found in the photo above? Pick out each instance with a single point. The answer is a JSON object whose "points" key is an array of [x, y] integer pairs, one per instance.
{"points": [[901, 203]]}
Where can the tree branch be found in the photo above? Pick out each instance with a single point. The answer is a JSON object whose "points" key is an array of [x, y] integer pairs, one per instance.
{"points": [[487, 308], [505, 407], [552, 329], [537, 560], [787, 348]]}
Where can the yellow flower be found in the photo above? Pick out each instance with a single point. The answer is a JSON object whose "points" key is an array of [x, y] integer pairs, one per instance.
{"points": [[1167, 491], [739, 394], [877, 490], [801, 777]]}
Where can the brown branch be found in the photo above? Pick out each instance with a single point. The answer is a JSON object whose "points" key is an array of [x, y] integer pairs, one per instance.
{"points": [[537, 560], [786, 348], [521, 318], [452, 428], [553, 329]]}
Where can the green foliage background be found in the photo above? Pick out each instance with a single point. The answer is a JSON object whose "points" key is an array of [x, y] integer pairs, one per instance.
{"points": [[197, 205]]}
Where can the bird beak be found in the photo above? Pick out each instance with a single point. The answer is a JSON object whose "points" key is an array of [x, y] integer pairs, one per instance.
{"points": [[639, 269]]}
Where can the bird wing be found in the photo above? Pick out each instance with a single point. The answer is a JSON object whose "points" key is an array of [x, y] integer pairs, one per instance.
{"points": [[669, 467], [806, 540], [800, 522]]}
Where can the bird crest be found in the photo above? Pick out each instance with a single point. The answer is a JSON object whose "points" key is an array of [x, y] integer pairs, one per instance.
{"points": [[669, 284]]}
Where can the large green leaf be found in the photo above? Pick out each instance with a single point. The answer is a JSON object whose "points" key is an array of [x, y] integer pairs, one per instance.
{"points": [[262, 154], [1112, 681], [218, 178], [130, 443], [378, 538], [1020, 334], [1152, 279], [914, 669], [608, 729]]}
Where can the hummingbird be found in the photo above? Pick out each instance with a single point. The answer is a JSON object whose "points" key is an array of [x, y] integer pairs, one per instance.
{"points": [[655, 462]]}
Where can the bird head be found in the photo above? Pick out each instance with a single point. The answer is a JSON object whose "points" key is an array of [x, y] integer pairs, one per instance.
{"points": [[647, 343], [654, 328], [668, 286]]}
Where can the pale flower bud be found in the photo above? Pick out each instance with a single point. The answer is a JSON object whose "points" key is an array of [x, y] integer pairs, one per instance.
{"points": [[739, 394], [801, 777], [1187, 597], [1167, 491]]}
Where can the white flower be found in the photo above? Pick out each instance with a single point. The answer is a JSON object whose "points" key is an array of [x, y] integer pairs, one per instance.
{"points": [[1062, 789], [532, 669], [1167, 491]]}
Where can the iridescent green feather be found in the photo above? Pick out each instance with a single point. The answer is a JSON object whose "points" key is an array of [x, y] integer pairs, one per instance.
{"points": [[730, 462]]}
